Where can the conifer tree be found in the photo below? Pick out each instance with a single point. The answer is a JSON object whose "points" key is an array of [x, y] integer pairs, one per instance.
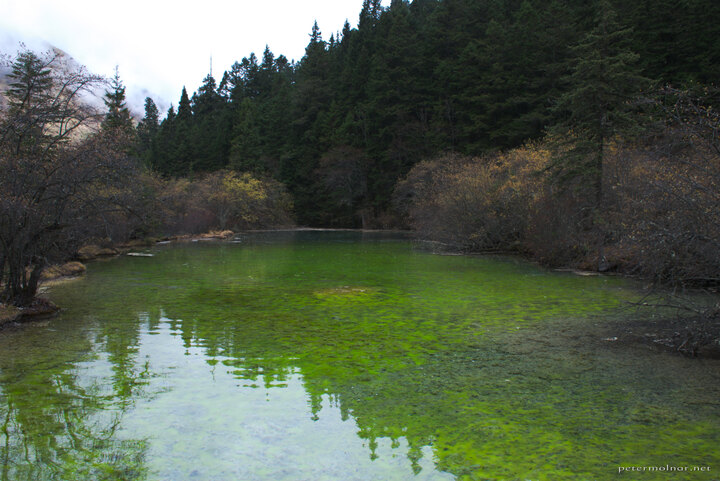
{"points": [[315, 35], [231, 84], [210, 133], [266, 73], [246, 151], [397, 108], [161, 156], [182, 135], [147, 131], [184, 111], [369, 14], [599, 101], [117, 119], [30, 81]]}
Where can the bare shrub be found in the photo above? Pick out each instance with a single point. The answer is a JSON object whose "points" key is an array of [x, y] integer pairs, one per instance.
{"points": [[220, 200], [58, 180], [666, 211], [474, 203]]}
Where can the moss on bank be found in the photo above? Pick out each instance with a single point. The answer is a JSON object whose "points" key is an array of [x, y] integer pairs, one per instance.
{"points": [[40, 307], [8, 314]]}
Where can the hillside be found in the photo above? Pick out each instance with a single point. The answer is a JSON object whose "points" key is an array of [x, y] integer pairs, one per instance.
{"points": [[365, 105]]}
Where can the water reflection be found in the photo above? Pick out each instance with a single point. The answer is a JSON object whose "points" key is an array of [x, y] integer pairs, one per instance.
{"points": [[62, 411], [339, 360], [227, 417]]}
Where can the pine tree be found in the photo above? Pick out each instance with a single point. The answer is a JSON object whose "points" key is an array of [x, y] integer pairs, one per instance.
{"points": [[163, 152], [206, 99], [246, 150], [397, 107], [266, 73], [183, 148], [117, 119], [369, 14], [209, 134], [249, 70], [315, 36], [28, 97], [231, 84], [147, 131], [599, 101], [184, 111]]}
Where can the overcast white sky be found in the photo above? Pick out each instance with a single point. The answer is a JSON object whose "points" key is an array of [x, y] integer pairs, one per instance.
{"points": [[161, 45]]}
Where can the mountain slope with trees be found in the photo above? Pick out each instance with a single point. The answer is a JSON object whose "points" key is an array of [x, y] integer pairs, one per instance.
{"points": [[419, 78]]}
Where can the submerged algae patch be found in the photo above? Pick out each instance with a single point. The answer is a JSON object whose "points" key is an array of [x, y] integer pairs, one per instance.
{"points": [[341, 357], [345, 292]]}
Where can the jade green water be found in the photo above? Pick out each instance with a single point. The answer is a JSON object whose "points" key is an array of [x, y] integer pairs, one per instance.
{"points": [[344, 356]]}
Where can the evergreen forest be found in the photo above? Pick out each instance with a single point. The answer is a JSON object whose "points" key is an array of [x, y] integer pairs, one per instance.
{"points": [[364, 105]]}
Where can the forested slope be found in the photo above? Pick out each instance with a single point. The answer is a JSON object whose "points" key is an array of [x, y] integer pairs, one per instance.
{"points": [[364, 105]]}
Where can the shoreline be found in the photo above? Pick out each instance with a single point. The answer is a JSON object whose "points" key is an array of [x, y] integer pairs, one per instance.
{"points": [[696, 335]]}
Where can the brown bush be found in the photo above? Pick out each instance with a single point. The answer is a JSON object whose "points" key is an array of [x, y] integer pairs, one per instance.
{"points": [[659, 215], [220, 200], [475, 203], [558, 232], [665, 210]]}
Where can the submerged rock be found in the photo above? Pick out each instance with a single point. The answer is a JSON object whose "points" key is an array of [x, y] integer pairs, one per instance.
{"points": [[39, 307]]}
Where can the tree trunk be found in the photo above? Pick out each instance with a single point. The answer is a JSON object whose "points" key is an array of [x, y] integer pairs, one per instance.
{"points": [[21, 289]]}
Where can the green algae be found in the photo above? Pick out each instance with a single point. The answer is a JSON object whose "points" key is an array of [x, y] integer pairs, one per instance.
{"points": [[343, 356]]}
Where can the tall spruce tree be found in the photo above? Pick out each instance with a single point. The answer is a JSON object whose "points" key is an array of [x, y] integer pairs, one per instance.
{"points": [[313, 96], [246, 149], [162, 155], [182, 136], [147, 131], [599, 102], [210, 134], [31, 81], [117, 119], [397, 109]]}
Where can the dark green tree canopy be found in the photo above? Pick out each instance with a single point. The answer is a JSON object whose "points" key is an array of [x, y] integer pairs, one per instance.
{"points": [[147, 131], [600, 99], [117, 119], [419, 77]]}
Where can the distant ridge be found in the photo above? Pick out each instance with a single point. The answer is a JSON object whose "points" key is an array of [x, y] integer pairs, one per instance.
{"points": [[10, 46]]}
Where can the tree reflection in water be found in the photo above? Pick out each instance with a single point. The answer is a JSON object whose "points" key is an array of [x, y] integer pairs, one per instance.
{"points": [[61, 409]]}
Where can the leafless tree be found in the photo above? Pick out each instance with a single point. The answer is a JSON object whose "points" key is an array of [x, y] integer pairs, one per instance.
{"points": [[57, 174]]}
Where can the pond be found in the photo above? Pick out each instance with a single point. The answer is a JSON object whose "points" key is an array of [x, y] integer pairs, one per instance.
{"points": [[345, 356]]}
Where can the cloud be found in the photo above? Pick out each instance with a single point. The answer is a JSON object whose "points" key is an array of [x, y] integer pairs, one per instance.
{"points": [[161, 45]]}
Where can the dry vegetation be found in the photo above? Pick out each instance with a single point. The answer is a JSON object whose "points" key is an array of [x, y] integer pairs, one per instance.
{"points": [[659, 216], [221, 200]]}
